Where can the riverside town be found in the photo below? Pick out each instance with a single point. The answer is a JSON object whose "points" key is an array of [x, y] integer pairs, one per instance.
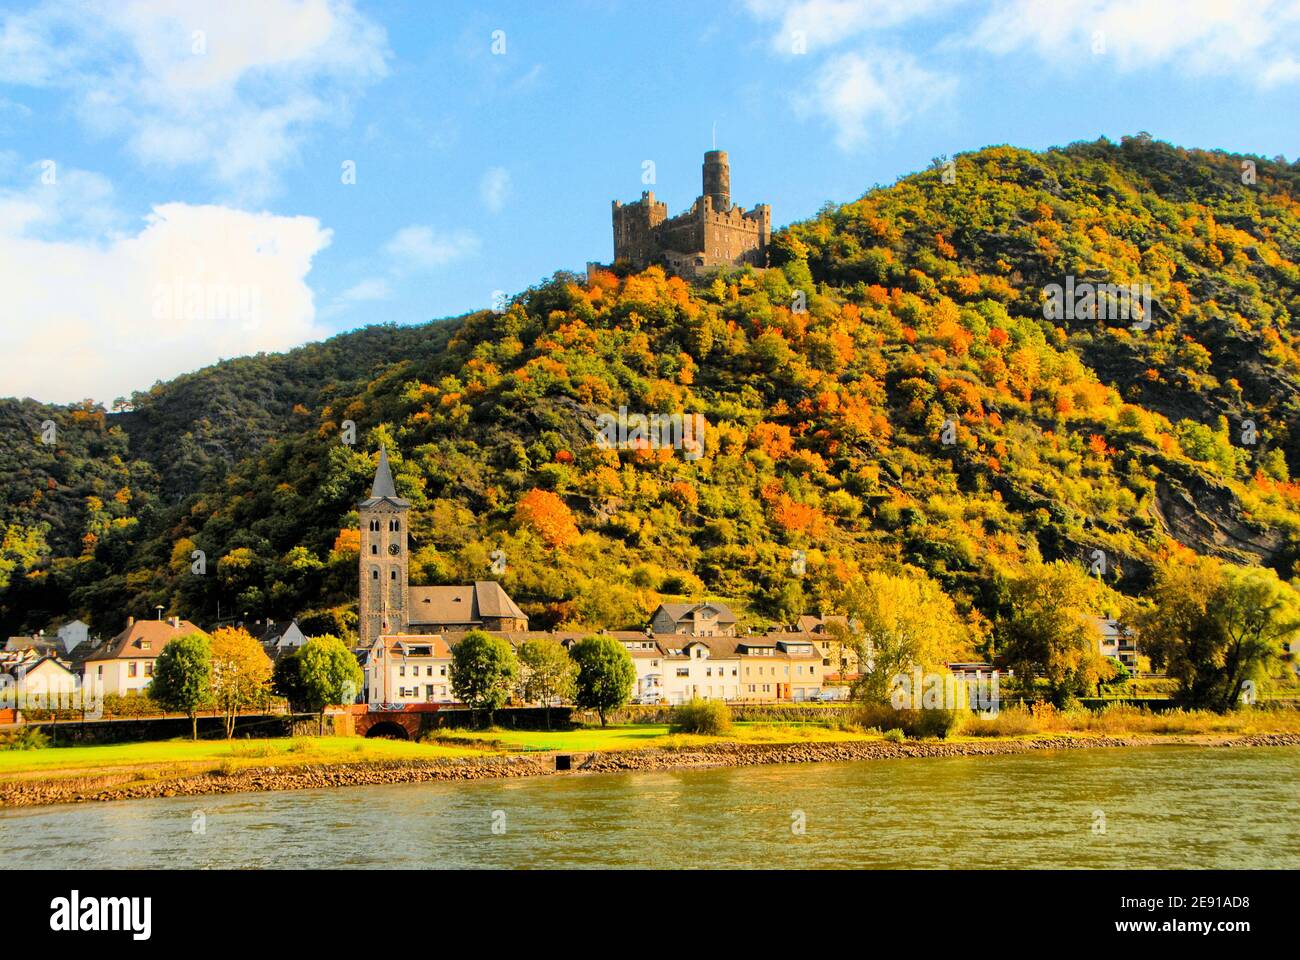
{"points": [[757, 436]]}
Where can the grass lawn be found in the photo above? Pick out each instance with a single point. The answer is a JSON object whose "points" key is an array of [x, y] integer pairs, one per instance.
{"points": [[635, 735], [181, 757], [177, 756]]}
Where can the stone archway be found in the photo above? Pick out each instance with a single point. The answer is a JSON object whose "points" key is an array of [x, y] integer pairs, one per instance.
{"points": [[389, 729]]}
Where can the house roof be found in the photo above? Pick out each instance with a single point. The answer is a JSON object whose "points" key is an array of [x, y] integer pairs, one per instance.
{"points": [[383, 490], [403, 643], [680, 611], [40, 644], [143, 639], [464, 604], [29, 666]]}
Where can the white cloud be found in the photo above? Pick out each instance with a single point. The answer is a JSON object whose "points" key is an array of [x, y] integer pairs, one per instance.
{"points": [[495, 188], [824, 23], [367, 291], [856, 92], [86, 318], [420, 248], [1254, 38], [228, 86]]}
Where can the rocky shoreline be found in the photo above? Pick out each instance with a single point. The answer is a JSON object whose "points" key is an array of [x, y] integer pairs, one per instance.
{"points": [[128, 786]]}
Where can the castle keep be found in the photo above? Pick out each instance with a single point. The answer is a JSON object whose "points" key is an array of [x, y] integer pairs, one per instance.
{"points": [[712, 234]]}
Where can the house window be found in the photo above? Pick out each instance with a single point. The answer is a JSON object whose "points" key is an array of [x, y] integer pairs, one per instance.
{"points": [[401, 671], [148, 669], [131, 668]]}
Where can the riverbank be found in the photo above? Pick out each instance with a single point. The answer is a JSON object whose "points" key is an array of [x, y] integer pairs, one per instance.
{"points": [[339, 771]]}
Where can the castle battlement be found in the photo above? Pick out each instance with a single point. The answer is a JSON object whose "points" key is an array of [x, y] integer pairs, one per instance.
{"points": [[712, 234]]}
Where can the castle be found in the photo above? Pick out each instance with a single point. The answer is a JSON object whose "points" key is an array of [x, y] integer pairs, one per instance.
{"points": [[712, 234], [389, 605]]}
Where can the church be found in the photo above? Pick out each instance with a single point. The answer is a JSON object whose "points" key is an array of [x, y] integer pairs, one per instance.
{"points": [[389, 605]]}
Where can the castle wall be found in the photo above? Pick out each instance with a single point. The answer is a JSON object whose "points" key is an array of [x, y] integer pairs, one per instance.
{"points": [[712, 234]]}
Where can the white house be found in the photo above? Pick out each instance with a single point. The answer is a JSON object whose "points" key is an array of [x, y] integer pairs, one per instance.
{"points": [[409, 669], [1116, 641], [124, 665], [40, 684], [709, 671], [72, 635], [649, 662]]}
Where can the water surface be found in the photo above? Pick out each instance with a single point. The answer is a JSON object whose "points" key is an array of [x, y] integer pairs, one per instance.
{"points": [[1146, 807]]}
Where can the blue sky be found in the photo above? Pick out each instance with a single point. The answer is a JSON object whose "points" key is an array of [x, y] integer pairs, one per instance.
{"points": [[171, 172]]}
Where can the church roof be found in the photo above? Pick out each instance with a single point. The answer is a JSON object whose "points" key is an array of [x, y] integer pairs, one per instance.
{"points": [[464, 605], [383, 488]]}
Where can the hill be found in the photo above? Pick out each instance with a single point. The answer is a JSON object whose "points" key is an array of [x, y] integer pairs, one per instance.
{"points": [[890, 393]]}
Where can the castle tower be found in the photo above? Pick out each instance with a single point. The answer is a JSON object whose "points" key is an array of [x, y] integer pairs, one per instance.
{"points": [[717, 179], [384, 592]]}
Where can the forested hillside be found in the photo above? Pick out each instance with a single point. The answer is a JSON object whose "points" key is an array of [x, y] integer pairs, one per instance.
{"points": [[826, 454]]}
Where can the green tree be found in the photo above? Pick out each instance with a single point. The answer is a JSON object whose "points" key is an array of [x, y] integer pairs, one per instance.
{"points": [[546, 671], [483, 669], [606, 674], [286, 680], [328, 673], [182, 676], [1213, 626]]}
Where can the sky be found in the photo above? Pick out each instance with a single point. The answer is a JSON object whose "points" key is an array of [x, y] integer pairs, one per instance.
{"points": [[183, 181]]}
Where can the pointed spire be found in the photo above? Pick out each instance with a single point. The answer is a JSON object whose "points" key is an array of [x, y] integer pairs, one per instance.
{"points": [[384, 486]]}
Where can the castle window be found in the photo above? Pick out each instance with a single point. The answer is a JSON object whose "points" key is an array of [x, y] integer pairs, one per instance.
{"points": [[374, 574], [374, 549], [394, 525], [374, 526], [393, 575]]}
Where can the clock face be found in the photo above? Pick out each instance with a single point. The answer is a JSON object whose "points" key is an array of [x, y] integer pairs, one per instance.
{"points": [[394, 549]]}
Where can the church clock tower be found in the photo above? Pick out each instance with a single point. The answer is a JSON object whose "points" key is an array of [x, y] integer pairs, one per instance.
{"points": [[384, 593]]}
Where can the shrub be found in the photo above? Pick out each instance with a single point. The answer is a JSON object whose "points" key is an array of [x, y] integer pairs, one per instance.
{"points": [[25, 738], [1010, 722], [893, 736], [709, 717], [917, 724]]}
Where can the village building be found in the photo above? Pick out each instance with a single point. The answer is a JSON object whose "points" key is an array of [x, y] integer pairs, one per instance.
{"points": [[704, 669], [780, 668], [37, 682], [405, 669], [708, 619], [1116, 640], [124, 665], [72, 635], [279, 639]]}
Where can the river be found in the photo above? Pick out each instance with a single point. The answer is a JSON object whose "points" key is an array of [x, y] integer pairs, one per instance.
{"points": [[1167, 807]]}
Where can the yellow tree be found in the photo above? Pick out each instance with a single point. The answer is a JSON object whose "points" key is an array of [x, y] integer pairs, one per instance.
{"points": [[241, 671], [901, 621]]}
